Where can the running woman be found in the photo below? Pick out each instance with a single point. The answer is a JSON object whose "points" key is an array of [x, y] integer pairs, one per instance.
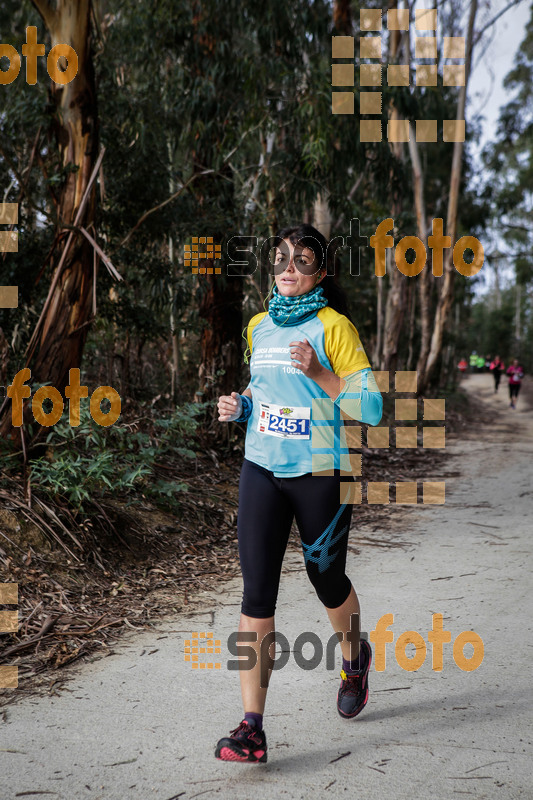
{"points": [[306, 357], [515, 373], [497, 368]]}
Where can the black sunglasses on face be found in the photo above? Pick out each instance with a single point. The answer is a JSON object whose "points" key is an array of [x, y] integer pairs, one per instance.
{"points": [[301, 262]]}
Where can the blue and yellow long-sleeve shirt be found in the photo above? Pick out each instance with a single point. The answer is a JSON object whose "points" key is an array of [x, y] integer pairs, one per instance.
{"points": [[294, 424]]}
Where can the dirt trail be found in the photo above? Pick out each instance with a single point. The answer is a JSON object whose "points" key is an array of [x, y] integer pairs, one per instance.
{"points": [[141, 723]]}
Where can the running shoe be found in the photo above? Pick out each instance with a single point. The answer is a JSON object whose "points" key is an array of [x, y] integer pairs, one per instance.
{"points": [[353, 692], [245, 743]]}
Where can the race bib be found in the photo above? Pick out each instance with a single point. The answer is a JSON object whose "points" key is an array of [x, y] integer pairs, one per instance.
{"points": [[285, 422]]}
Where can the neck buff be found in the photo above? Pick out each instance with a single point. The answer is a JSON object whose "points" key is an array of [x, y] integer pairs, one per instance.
{"points": [[288, 311]]}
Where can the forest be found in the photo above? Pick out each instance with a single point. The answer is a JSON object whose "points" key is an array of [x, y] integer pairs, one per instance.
{"points": [[206, 126]]}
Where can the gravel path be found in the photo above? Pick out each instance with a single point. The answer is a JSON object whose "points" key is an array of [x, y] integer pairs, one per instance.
{"points": [[141, 723]]}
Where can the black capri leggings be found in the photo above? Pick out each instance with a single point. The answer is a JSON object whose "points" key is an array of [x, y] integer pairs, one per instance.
{"points": [[267, 507], [514, 388]]}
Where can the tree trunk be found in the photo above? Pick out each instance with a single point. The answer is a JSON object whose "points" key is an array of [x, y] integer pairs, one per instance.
{"points": [[517, 316], [219, 296], [397, 293], [445, 300], [380, 290], [412, 316], [219, 300], [174, 329], [342, 17], [394, 313], [322, 219], [453, 373], [497, 292], [221, 307], [59, 337], [423, 280]]}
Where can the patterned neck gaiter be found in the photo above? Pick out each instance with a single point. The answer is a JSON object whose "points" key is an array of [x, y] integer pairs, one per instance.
{"points": [[293, 310]]}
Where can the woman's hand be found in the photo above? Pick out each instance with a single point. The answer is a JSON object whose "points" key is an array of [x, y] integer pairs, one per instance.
{"points": [[305, 358], [229, 407]]}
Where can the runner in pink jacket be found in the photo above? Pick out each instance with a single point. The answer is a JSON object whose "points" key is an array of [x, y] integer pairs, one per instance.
{"points": [[515, 373]]}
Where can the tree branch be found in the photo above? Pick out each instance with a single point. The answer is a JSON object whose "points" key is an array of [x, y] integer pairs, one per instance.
{"points": [[81, 208], [515, 227], [351, 193], [188, 183], [164, 203], [115, 274], [494, 19]]}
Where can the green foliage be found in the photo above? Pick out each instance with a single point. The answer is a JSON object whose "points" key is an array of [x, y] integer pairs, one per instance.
{"points": [[491, 329], [242, 89], [86, 462]]}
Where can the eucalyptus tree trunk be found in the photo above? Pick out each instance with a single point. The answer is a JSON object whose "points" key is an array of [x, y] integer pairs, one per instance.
{"points": [[397, 294], [445, 300], [380, 320], [517, 316], [220, 300], [322, 219], [219, 296], [59, 337], [423, 279], [173, 322], [174, 328], [342, 17], [342, 22]]}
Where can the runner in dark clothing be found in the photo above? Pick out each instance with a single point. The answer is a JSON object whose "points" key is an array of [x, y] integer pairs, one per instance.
{"points": [[497, 368]]}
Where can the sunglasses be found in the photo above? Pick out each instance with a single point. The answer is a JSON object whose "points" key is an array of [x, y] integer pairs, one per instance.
{"points": [[303, 264]]}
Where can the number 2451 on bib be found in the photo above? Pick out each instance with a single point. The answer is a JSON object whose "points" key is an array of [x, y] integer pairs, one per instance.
{"points": [[283, 421]]}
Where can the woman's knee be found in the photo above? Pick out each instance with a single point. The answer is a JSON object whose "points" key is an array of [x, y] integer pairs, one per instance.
{"points": [[331, 591]]}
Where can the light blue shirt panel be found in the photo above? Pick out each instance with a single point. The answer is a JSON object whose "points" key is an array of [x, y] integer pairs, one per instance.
{"points": [[275, 380]]}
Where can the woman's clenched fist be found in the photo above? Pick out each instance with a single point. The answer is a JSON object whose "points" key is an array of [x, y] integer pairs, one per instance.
{"points": [[229, 407]]}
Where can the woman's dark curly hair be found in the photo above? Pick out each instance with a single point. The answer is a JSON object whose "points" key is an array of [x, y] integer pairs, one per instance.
{"points": [[308, 236]]}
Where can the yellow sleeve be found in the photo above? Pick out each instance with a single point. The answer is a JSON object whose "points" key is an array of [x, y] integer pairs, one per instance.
{"points": [[251, 325], [342, 344]]}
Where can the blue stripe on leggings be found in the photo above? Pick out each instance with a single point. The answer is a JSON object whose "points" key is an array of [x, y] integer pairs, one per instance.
{"points": [[318, 552]]}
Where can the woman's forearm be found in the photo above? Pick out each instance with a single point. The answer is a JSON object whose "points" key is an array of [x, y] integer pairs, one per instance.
{"points": [[366, 405], [329, 382]]}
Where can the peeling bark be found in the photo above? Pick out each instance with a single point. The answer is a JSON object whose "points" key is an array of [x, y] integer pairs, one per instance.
{"points": [[59, 337]]}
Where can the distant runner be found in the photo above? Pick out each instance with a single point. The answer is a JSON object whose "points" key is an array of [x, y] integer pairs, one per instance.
{"points": [[304, 349], [515, 373], [497, 367]]}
